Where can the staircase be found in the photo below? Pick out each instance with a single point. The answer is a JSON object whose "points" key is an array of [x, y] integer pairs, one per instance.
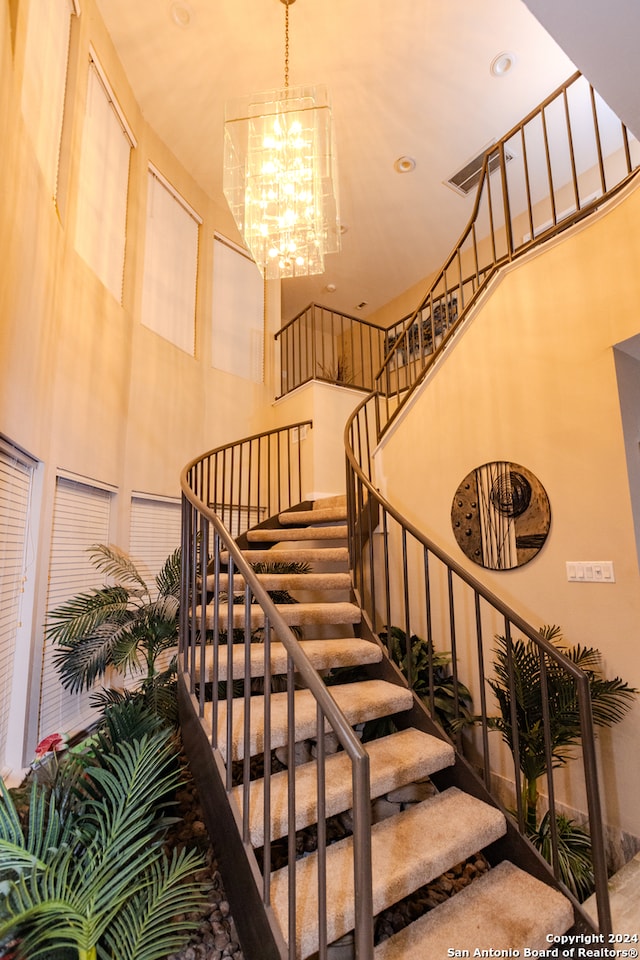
{"points": [[394, 576], [410, 848]]}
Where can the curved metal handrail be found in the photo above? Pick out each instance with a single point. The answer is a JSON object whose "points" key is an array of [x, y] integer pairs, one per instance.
{"points": [[369, 513], [204, 538], [415, 342]]}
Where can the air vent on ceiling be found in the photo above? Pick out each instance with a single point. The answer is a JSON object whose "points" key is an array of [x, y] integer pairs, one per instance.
{"points": [[467, 179]]}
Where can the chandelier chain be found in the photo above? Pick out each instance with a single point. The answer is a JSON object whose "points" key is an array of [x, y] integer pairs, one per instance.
{"points": [[286, 44]]}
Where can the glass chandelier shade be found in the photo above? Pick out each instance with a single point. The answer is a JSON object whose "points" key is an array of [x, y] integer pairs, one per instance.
{"points": [[280, 179]]}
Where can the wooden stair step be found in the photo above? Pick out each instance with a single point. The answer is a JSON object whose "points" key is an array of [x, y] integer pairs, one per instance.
{"points": [[408, 850], [287, 581], [395, 760], [504, 910], [361, 701], [323, 654], [277, 535], [286, 555], [294, 614]]}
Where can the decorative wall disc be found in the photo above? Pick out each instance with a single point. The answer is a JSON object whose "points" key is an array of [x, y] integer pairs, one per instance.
{"points": [[500, 515]]}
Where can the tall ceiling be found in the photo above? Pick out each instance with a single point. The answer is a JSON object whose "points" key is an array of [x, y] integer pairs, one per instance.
{"points": [[406, 77]]}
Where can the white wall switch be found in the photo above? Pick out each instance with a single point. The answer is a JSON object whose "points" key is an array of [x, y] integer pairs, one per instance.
{"points": [[590, 571]]}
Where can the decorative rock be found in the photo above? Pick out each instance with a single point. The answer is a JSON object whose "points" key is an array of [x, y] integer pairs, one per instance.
{"points": [[302, 753], [412, 793], [331, 745], [381, 809]]}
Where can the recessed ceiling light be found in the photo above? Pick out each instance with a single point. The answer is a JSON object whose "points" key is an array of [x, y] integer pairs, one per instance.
{"points": [[404, 165], [502, 64], [330, 288], [180, 13]]}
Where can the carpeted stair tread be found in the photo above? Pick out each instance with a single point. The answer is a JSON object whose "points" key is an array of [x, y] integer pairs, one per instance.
{"points": [[395, 760], [321, 515], [408, 850], [335, 500], [504, 910], [294, 614], [277, 535], [361, 701], [323, 654], [286, 555], [287, 581]]}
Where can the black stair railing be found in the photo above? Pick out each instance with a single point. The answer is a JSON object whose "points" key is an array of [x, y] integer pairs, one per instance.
{"points": [[403, 579], [324, 344], [223, 727], [552, 169]]}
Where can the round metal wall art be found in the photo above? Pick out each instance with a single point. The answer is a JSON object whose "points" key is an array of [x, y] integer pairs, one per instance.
{"points": [[500, 515]]}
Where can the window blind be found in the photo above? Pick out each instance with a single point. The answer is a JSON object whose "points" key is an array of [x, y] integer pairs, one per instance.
{"points": [[103, 183], [81, 519], [170, 265], [154, 534], [237, 340], [16, 475], [45, 78]]}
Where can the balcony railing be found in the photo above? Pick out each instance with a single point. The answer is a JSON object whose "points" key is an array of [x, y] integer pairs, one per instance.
{"points": [[554, 168], [321, 344]]}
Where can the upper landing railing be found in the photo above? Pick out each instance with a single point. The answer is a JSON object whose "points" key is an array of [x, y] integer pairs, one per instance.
{"points": [[558, 165], [322, 344]]}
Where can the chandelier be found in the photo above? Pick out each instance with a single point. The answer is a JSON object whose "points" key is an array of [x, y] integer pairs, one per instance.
{"points": [[280, 176]]}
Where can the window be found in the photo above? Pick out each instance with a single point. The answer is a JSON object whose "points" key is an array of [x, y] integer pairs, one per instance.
{"points": [[16, 477], [170, 265], [238, 313], [81, 518], [154, 534], [45, 78], [103, 182]]}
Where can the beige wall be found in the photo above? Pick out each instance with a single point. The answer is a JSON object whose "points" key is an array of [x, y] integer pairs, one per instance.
{"points": [[83, 385], [329, 407], [532, 380]]}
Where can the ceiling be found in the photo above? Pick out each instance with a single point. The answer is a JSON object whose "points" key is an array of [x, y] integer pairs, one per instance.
{"points": [[407, 77]]}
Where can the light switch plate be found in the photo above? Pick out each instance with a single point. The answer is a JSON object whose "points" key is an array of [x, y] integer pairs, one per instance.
{"points": [[590, 571]]}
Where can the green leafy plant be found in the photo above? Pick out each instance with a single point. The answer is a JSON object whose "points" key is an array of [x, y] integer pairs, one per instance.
{"points": [[574, 852], [121, 626], [338, 372], [416, 669], [83, 875], [610, 700]]}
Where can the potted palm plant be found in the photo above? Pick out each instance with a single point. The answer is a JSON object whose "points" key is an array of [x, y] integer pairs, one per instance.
{"points": [[610, 700], [123, 626]]}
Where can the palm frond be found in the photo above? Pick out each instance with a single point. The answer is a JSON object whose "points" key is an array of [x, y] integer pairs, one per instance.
{"points": [[155, 922], [125, 716], [573, 853], [169, 579], [281, 566], [83, 614], [80, 665], [10, 825], [117, 564]]}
